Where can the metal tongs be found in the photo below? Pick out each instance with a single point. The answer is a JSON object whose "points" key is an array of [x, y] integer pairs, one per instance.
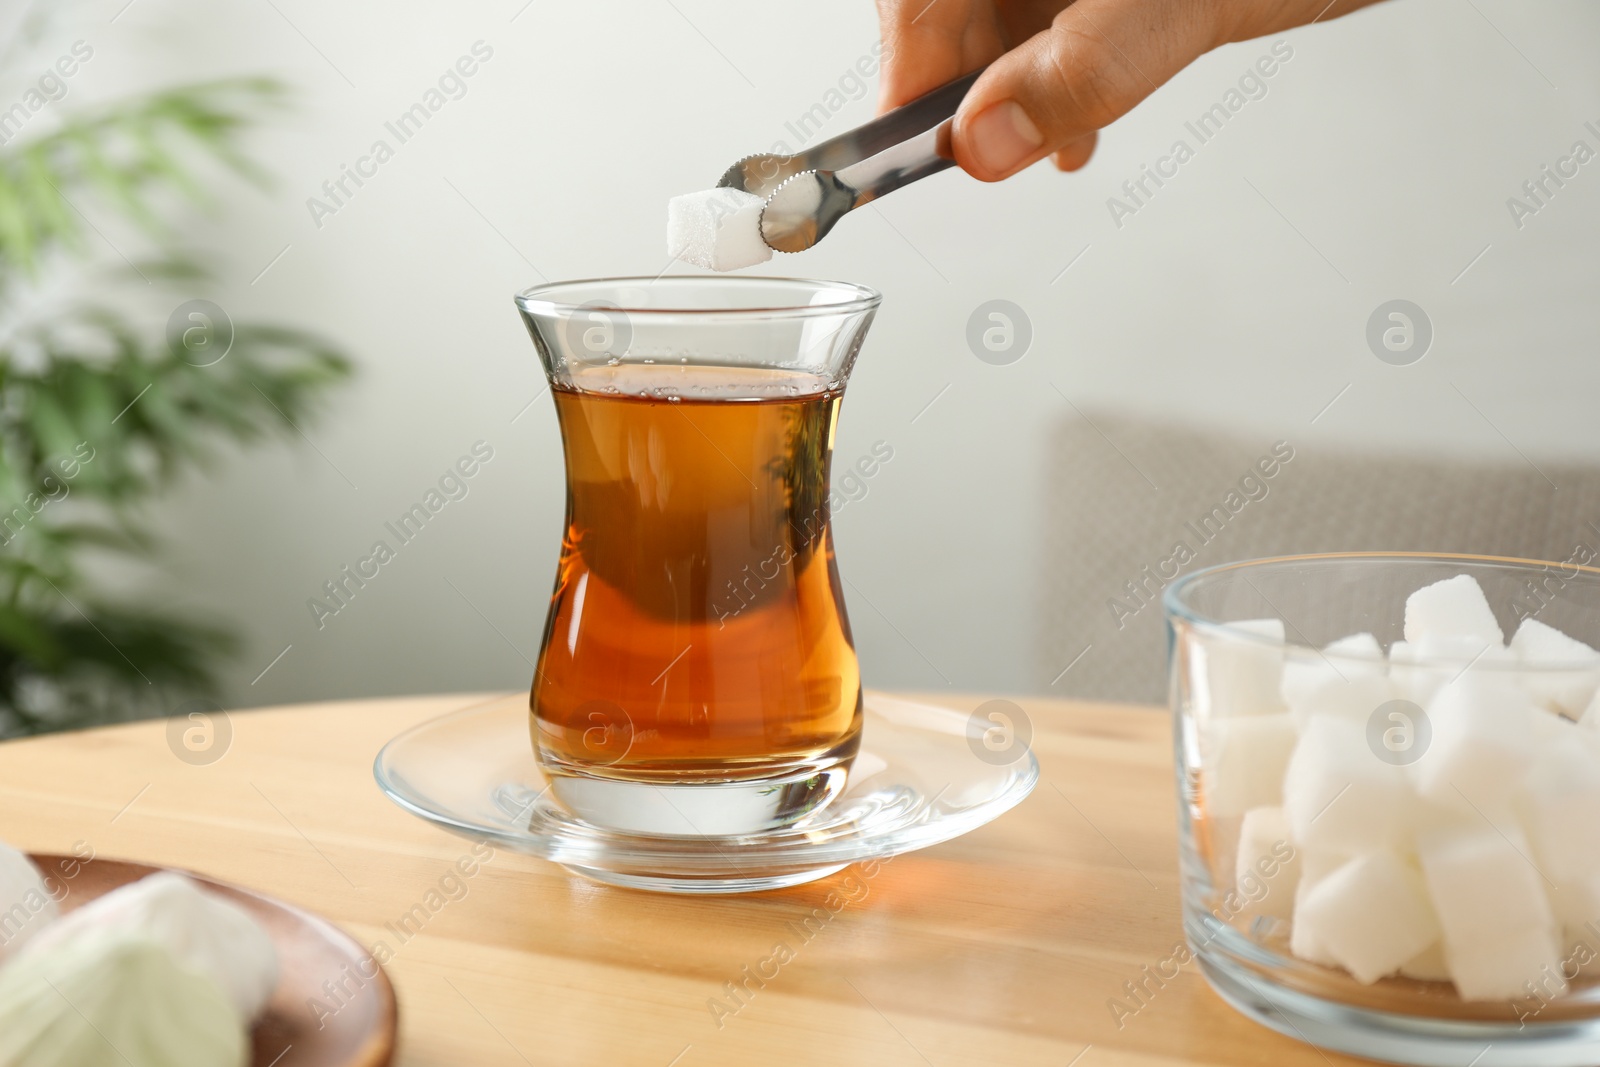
{"points": [[807, 193]]}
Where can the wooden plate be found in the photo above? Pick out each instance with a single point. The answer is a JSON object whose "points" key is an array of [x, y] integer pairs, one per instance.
{"points": [[358, 1018]]}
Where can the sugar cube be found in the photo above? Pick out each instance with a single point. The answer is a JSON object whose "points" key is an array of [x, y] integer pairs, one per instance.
{"points": [[1464, 653], [1551, 730], [1576, 904], [1455, 607], [1418, 670], [1339, 796], [717, 228], [1304, 945], [1267, 867], [1346, 695], [1429, 965], [1411, 680], [1315, 865], [1481, 743], [1484, 886], [1372, 915], [1540, 648], [1429, 818], [1560, 805], [1577, 911], [1362, 647], [1591, 714], [1243, 761], [1508, 967], [1345, 678], [1243, 674]]}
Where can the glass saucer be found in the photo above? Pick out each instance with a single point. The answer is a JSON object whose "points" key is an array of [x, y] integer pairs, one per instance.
{"points": [[920, 778]]}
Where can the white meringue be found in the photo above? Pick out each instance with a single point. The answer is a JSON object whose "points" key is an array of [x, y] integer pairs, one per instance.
{"points": [[26, 906], [112, 996], [204, 932]]}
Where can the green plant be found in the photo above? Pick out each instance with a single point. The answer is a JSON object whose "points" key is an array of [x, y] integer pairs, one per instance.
{"points": [[97, 418]]}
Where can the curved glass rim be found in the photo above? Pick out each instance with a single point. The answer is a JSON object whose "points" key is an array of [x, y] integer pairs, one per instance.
{"points": [[1173, 605], [865, 299]]}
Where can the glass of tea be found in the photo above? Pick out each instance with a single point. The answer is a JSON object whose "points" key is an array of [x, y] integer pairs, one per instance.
{"points": [[697, 675]]}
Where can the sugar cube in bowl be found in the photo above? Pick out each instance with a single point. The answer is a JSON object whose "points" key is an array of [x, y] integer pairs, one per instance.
{"points": [[1412, 745]]}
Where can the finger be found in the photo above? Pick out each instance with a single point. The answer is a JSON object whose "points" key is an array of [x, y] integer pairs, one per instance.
{"points": [[929, 42], [1076, 153], [1097, 59]]}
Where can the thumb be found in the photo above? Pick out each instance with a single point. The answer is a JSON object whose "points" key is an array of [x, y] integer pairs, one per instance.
{"points": [[1097, 59]]}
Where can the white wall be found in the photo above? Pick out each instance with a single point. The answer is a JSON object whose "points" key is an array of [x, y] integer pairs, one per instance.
{"points": [[1383, 153]]}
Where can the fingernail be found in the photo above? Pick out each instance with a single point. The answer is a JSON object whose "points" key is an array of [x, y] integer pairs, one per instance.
{"points": [[1002, 137]]}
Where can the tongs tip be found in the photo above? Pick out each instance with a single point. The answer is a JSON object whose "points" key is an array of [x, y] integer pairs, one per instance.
{"points": [[805, 194]]}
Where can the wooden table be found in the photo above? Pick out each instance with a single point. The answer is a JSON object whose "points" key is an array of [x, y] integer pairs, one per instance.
{"points": [[1006, 946]]}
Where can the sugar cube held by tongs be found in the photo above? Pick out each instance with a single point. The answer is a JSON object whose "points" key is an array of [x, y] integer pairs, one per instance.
{"points": [[802, 196]]}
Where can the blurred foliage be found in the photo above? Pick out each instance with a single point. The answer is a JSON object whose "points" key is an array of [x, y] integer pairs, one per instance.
{"points": [[99, 415]]}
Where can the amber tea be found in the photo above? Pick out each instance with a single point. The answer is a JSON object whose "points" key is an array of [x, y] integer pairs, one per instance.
{"points": [[697, 676], [697, 628]]}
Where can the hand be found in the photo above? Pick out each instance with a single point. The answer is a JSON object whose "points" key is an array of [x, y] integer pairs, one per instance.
{"points": [[1059, 71]]}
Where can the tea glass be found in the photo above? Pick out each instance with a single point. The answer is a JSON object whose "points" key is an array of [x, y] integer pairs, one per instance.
{"points": [[697, 674]]}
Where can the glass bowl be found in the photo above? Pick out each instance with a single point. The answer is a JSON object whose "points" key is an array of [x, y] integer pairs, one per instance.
{"points": [[1389, 806]]}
